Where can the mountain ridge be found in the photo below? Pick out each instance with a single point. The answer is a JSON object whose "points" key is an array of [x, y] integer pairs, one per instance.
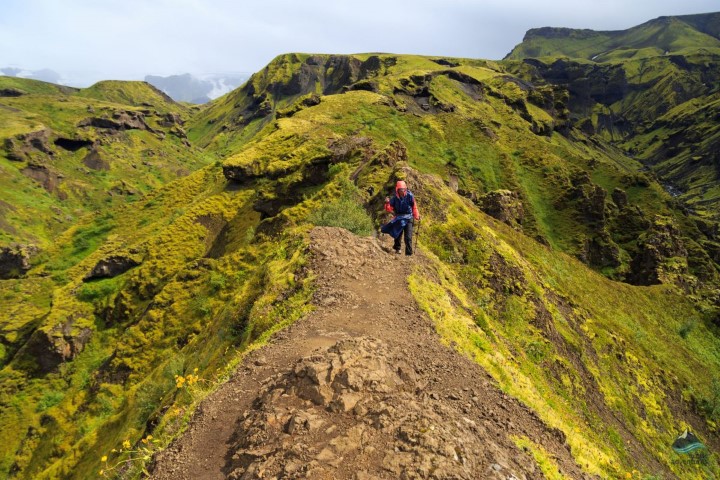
{"points": [[551, 256]]}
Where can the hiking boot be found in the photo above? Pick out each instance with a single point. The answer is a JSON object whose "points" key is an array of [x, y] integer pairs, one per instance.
{"points": [[397, 251]]}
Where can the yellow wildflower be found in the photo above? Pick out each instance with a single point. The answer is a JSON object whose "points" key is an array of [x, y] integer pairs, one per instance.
{"points": [[126, 444], [104, 458]]}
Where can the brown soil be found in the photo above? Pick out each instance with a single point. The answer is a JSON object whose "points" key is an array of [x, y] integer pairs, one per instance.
{"points": [[362, 388]]}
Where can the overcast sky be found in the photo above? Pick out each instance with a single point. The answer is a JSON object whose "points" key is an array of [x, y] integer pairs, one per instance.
{"points": [[88, 40]]}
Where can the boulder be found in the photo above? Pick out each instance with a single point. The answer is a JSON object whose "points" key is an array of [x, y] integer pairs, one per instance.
{"points": [[15, 260], [95, 161], [505, 205], [111, 267]]}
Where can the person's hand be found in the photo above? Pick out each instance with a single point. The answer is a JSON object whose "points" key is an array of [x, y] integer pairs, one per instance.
{"points": [[387, 199]]}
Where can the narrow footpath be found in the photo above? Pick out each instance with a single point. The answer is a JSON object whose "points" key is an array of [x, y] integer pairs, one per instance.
{"points": [[362, 389]]}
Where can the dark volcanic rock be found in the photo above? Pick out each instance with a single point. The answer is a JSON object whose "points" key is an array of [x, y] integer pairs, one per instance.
{"points": [[15, 260], [64, 342], [95, 161], [600, 251], [111, 267], [25, 146], [504, 205], [121, 120], [620, 198], [11, 92], [48, 178], [662, 255], [590, 198]]}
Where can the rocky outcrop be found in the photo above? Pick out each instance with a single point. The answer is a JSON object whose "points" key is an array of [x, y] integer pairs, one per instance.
{"points": [[95, 161], [601, 251], [62, 343], [505, 205], [112, 267], [589, 197], [15, 260], [356, 411], [121, 120], [27, 146], [11, 92], [45, 176], [170, 119], [662, 256]]}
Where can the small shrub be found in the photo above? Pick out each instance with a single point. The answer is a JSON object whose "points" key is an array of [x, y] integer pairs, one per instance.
{"points": [[217, 282], [49, 400], [343, 213], [686, 328], [91, 292]]}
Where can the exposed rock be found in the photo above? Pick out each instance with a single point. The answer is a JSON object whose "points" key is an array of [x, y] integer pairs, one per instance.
{"points": [[25, 146], [600, 251], [505, 205], [122, 188], [95, 161], [62, 343], [378, 419], [111, 267], [121, 120], [391, 155], [15, 260], [344, 148], [170, 119], [11, 92], [45, 176], [662, 257], [415, 93], [590, 198], [620, 198]]}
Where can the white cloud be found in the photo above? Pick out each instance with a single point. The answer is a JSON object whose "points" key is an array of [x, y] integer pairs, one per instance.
{"points": [[95, 39]]}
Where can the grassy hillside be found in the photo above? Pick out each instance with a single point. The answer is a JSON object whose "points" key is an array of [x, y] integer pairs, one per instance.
{"points": [[650, 90], [662, 36], [64, 152], [182, 281]]}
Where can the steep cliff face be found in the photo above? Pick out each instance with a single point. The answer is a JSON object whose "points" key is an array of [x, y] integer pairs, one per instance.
{"points": [[130, 314], [651, 90]]}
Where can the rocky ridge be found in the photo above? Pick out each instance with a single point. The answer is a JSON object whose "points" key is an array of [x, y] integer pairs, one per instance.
{"points": [[361, 389]]}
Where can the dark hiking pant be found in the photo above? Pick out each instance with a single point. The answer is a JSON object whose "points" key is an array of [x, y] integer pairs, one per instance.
{"points": [[407, 233]]}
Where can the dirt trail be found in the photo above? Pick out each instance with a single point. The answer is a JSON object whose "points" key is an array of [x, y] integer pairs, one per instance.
{"points": [[360, 389]]}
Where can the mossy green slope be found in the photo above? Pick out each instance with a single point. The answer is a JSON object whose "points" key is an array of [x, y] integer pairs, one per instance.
{"points": [[216, 263], [651, 90], [664, 35], [65, 152]]}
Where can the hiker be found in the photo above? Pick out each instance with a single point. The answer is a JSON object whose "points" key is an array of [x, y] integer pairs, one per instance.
{"points": [[404, 207]]}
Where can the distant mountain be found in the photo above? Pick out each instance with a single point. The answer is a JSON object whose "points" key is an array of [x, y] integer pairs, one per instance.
{"points": [[663, 35], [45, 74], [189, 88]]}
